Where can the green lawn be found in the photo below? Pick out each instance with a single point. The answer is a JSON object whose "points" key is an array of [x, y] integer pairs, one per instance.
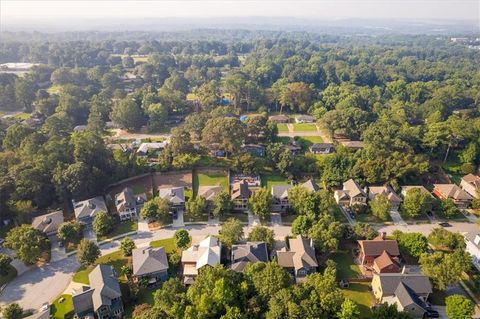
{"points": [[209, 178], [64, 309], [22, 116], [121, 228], [116, 259], [243, 217], [138, 189], [304, 127], [11, 274], [268, 180], [311, 139], [346, 267], [282, 139], [360, 293], [453, 167], [457, 217], [369, 218], [282, 128], [339, 216], [168, 244]]}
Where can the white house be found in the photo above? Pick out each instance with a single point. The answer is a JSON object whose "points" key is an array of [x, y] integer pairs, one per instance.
{"points": [[471, 184], [472, 241]]}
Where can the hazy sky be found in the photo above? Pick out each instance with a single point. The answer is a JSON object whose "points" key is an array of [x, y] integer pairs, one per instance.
{"points": [[15, 10]]}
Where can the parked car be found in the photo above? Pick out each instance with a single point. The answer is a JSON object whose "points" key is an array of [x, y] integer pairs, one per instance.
{"points": [[430, 313], [175, 215], [353, 215], [445, 224]]}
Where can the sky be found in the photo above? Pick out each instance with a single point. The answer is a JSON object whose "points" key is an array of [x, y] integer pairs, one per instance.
{"points": [[17, 11]]}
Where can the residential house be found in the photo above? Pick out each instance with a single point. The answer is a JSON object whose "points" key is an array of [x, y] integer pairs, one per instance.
{"points": [[354, 145], [310, 185], [254, 149], [279, 118], [406, 300], [240, 195], [371, 252], [385, 285], [351, 194], [300, 259], [280, 197], [42, 314], [103, 298], [471, 184], [128, 205], [304, 119], [460, 198], [322, 148], [472, 246], [214, 150], [146, 149], [250, 252], [151, 264], [205, 253], [251, 180], [293, 147], [209, 192], [387, 191], [48, 223], [431, 199], [86, 210], [175, 195]]}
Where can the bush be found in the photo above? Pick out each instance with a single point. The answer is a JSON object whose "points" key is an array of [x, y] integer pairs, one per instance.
{"points": [[181, 239], [102, 223], [127, 245]]}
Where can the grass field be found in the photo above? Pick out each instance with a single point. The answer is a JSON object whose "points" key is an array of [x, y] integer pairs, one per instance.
{"points": [[243, 217], [311, 139], [304, 127], [282, 128], [268, 180], [64, 309], [138, 189], [346, 267], [121, 228], [11, 274], [209, 178], [168, 244], [360, 293]]}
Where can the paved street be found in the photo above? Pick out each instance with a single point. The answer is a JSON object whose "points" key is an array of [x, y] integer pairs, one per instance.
{"points": [[427, 228]]}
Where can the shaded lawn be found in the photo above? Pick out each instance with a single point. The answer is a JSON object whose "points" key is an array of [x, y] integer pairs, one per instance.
{"points": [[64, 309], [243, 217], [339, 216], [168, 244], [369, 218], [138, 189], [121, 228], [9, 276], [268, 180], [194, 218], [145, 295], [304, 127], [309, 140], [282, 128], [453, 167], [346, 267], [457, 217], [288, 219], [360, 293], [115, 259], [212, 178]]}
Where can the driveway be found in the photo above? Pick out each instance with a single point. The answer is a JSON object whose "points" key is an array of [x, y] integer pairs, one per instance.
{"points": [[252, 219], [57, 252], [350, 220], [397, 218], [178, 222], [89, 234], [276, 219]]}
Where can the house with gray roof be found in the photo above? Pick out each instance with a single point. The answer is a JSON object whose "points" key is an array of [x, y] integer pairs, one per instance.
{"points": [[472, 246], [48, 223], [406, 300], [103, 298], [351, 194], [280, 201], [240, 195], [209, 192], [175, 195], [304, 118], [300, 259], [128, 205], [384, 285], [250, 252], [150, 263], [86, 210], [322, 148]]}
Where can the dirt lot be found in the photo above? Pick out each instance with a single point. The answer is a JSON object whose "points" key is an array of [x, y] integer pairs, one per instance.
{"points": [[139, 185], [173, 179]]}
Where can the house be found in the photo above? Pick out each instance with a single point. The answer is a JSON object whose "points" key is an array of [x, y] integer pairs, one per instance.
{"points": [[472, 246], [387, 191], [205, 253], [406, 300], [175, 195], [151, 264], [48, 223], [322, 148], [103, 298], [385, 285], [279, 118], [351, 194], [385, 263], [86, 210], [471, 184], [431, 199], [251, 180], [254, 149], [353, 145], [151, 148], [304, 119], [293, 147], [280, 197], [460, 198], [128, 205], [250, 252], [209, 192], [214, 150], [310, 185], [300, 259], [372, 251], [240, 195], [42, 314]]}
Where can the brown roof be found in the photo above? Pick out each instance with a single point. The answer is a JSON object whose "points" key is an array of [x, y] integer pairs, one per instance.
{"points": [[384, 190], [452, 191], [352, 188], [383, 261], [301, 254], [48, 223], [377, 246], [472, 179], [240, 190]]}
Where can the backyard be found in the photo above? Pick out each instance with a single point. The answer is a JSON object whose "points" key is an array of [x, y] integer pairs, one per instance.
{"points": [[62, 307], [121, 228], [304, 127], [360, 293], [209, 178], [346, 267], [268, 180]]}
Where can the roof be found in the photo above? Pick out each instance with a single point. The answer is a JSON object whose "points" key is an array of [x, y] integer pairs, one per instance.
{"points": [[105, 286], [300, 255], [353, 144], [406, 188], [305, 117], [240, 190], [473, 180], [145, 147], [407, 296], [125, 199], [48, 223], [207, 252], [281, 191], [82, 300], [377, 246], [90, 207], [452, 191], [386, 191], [383, 261], [321, 145], [174, 194], [280, 117], [249, 252], [352, 188], [45, 314], [418, 282], [209, 192], [470, 236], [149, 260], [310, 185]]}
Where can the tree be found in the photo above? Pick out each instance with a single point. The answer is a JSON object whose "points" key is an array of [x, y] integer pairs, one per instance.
{"points": [[364, 231], [170, 299], [415, 202], [12, 311], [259, 203], [349, 310], [386, 311], [87, 252], [301, 225], [102, 223], [157, 117], [127, 245], [27, 242], [5, 261], [297, 96], [70, 232], [261, 233], [231, 232], [222, 204], [95, 122], [380, 207], [267, 278], [440, 237], [181, 239], [127, 114], [445, 269], [15, 135], [303, 201], [197, 206], [414, 244], [155, 209], [325, 233], [448, 208], [227, 132], [459, 307]]}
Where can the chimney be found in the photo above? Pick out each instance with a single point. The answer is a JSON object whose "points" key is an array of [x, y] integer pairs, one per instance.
{"points": [[383, 235], [476, 240], [404, 270]]}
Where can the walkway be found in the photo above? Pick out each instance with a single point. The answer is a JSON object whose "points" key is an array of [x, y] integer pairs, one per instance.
{"points": [[397, 218]]}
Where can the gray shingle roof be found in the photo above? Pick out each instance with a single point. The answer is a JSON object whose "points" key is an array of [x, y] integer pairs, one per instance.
{"points": [[90, 207], [250, 252], [174, 194], [310, 185], [416, 281], [149, 260], [82, 300], [125, 200], [300, 255], [280, 191], [406, 296], [48, 223], [105, 285]]}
